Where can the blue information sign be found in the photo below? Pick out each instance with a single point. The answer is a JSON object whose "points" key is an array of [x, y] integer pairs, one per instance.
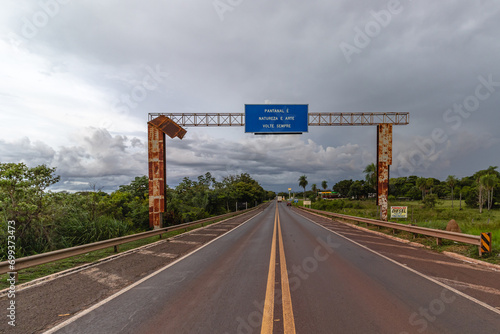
{"points": [[276, 118]]}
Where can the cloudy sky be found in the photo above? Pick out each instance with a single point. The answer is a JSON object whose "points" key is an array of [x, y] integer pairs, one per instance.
{"points": [[78, 79]]}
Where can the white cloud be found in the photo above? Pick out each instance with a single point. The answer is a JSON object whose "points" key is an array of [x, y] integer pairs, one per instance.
{"points": [[23, 150]]}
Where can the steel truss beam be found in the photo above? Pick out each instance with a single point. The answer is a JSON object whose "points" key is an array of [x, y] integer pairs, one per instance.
{"points": [[360, 119], [194, 119], [315, 118]]}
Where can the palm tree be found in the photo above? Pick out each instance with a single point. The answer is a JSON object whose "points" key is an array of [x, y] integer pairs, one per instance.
{"points": [[371, 175], [303, 183], [324, 185], [314, 189], [452, 182], [489, 182], [459, 189], [422, 185], [480, 189], [430, 184], [491, 170], [494, 183], [486, 180]]}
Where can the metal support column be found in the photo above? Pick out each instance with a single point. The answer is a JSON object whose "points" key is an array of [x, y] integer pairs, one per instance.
{"points": [[157, 171], [384, 160]]}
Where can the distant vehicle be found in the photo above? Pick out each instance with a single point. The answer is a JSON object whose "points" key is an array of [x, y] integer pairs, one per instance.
{"points": [[280, 198], [288, 203]]}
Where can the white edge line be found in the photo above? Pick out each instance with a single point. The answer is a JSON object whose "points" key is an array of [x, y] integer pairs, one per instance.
{"points": [[456, 256], [85, 312], [489, 307], [70, 271]]}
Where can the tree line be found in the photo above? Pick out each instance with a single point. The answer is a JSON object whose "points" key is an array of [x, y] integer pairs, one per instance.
{"points": [[477, 191], [47, 220]]}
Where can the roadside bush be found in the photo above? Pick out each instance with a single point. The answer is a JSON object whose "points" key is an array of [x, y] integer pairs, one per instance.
{"points": [[356, 205], [430, 201], [333, 206], [76, 231]]}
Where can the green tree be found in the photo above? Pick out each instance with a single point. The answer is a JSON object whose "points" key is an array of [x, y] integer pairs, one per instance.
{"points": [[483, 183], [192, 200], [371, 175], [324, 185], [470, 194], [139, 187], [430, 200], [270, 195], [430, 184], [303, 183], [488, 183], [356, 189], [492, 170], [23, 199], [314, 189], [459, 190], [422, 185], [343, 187], [132, 201]]}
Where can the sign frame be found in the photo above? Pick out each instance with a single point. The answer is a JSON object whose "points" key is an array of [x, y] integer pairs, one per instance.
{"points": [[276, 118]]}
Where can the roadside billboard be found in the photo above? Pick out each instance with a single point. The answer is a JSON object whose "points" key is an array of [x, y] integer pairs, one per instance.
{"points": [[399, 212]]}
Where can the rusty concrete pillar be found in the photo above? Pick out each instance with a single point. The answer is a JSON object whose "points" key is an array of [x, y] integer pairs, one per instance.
{"points": [[157, 129], [384, 160], [157, 175]]}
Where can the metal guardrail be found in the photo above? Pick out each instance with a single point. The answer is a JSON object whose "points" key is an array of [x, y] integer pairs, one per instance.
{"points": [[38, 259], [438, 234]]}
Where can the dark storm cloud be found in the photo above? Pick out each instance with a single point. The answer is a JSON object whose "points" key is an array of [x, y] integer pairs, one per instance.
{"points": [[272, 160], [107, 160], [423, 57], [96, 157]]}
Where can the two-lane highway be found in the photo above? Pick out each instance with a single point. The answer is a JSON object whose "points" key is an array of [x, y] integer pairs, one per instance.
{"points": [[281, 273], [342, 287]]}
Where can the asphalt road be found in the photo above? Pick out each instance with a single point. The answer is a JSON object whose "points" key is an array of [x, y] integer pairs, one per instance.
{"points": [[238, 284]]}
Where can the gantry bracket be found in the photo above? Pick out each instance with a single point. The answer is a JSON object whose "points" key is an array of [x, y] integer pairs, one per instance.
{"points": [[157, 129]]}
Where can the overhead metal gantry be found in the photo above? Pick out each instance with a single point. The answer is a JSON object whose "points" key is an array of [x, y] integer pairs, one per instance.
{"points": [[161, 124], [315, 118]]}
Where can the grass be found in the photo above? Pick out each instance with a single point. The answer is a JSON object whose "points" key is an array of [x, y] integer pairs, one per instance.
{"points": [[469, 220], [29, 274]]}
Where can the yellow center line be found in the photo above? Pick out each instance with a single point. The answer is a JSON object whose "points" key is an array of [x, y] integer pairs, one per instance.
{"points": [[288, 321], [268, 312]]}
